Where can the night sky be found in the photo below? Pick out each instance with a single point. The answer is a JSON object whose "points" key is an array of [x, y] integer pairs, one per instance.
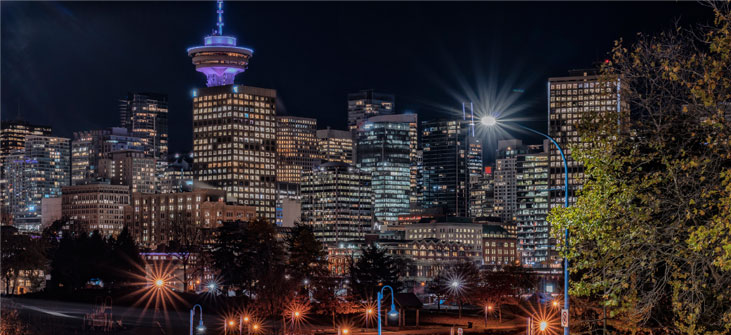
{"points": [[66, 64]]}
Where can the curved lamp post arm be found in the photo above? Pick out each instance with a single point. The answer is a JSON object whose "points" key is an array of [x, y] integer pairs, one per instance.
{"points": [[393, 305], [201, 328], [566, 205]]}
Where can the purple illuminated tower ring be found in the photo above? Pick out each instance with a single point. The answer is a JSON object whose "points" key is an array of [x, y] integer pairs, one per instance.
{"points": [[219, 58]]}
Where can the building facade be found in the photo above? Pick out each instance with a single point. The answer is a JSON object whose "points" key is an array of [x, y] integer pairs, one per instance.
{"points": [[154, 219], [90, 146], [452, 160], [96, 207], [38, 171], [449, 229], [569, 100], [132, 168], [337, 201], [297, 147], [499, 246], [385, 151], [12, 138], [145, 115], [367, 103], [335, 145]]}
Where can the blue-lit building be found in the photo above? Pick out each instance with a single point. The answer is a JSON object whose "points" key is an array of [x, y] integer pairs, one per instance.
{"points": [[385, 150], [36, 172]]}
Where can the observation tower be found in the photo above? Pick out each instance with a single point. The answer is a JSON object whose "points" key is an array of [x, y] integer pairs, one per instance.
{"points": [[219, 58]]}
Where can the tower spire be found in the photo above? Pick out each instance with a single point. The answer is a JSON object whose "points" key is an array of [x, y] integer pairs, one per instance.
{"points": [[220, 18]]}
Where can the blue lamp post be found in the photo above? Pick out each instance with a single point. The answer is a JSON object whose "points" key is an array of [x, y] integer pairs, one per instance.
{"points": [[393, 313], [200, 329], [491, 121]]}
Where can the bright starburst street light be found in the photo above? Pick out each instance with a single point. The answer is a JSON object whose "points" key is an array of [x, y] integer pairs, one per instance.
{"points": [[543, 325], [159, 283], [455, 284], [488, 120]]}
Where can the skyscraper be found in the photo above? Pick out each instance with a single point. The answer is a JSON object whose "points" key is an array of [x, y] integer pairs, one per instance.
{"points": [[535, 245], [234, 139], [505, 177], [367, 103], [13, 133], [569, 100], [335, 145], [145, 115], [36, 172], [452, 159], [12, 138], [90, 146], [482, 195], [297, 148], [337, 202], [385, 151]]}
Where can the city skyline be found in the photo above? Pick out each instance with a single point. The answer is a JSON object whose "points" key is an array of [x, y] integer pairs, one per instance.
{"points": [[451, 67]]}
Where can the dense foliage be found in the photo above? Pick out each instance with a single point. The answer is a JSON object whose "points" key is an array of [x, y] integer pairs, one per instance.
{"points": [[651, 229]]}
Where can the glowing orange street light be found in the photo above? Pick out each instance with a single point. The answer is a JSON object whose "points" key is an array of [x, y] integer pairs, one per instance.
{"points": [[345, 331], [489, 307], [296, 314], [256, 326], [370, 311], [543, 325], [246, 319], [159, 283], [230, 322], [555, 303]]}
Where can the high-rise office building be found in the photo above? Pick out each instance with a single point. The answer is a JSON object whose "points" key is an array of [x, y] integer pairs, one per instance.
{"points": [[13, 133], [131, 168], [505, 177], [89, 146], [145, 115], [482, 195], [535, 245], [385, 151], [96, 206], [36, 172], [337, 202], [367, 103], [12, 138], [569, 100], [452, 159], [335, 145], [234, 139], [297, 148]]}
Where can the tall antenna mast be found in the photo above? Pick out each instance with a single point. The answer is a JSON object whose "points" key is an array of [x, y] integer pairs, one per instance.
{"points": [[220, 18]]}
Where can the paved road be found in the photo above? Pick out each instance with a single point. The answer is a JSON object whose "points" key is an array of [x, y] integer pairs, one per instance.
{"points": [[44, 317]]}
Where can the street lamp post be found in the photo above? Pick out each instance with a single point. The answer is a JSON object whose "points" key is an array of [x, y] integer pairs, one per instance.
{"points": [[491, 121], [200, 329], [393, 311]]}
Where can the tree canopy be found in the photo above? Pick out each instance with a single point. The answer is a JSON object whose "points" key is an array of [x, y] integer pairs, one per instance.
{"points": [[650, 231]]}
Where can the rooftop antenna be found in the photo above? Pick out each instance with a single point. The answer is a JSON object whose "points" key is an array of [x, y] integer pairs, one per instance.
{"points": [[220, 17]]}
